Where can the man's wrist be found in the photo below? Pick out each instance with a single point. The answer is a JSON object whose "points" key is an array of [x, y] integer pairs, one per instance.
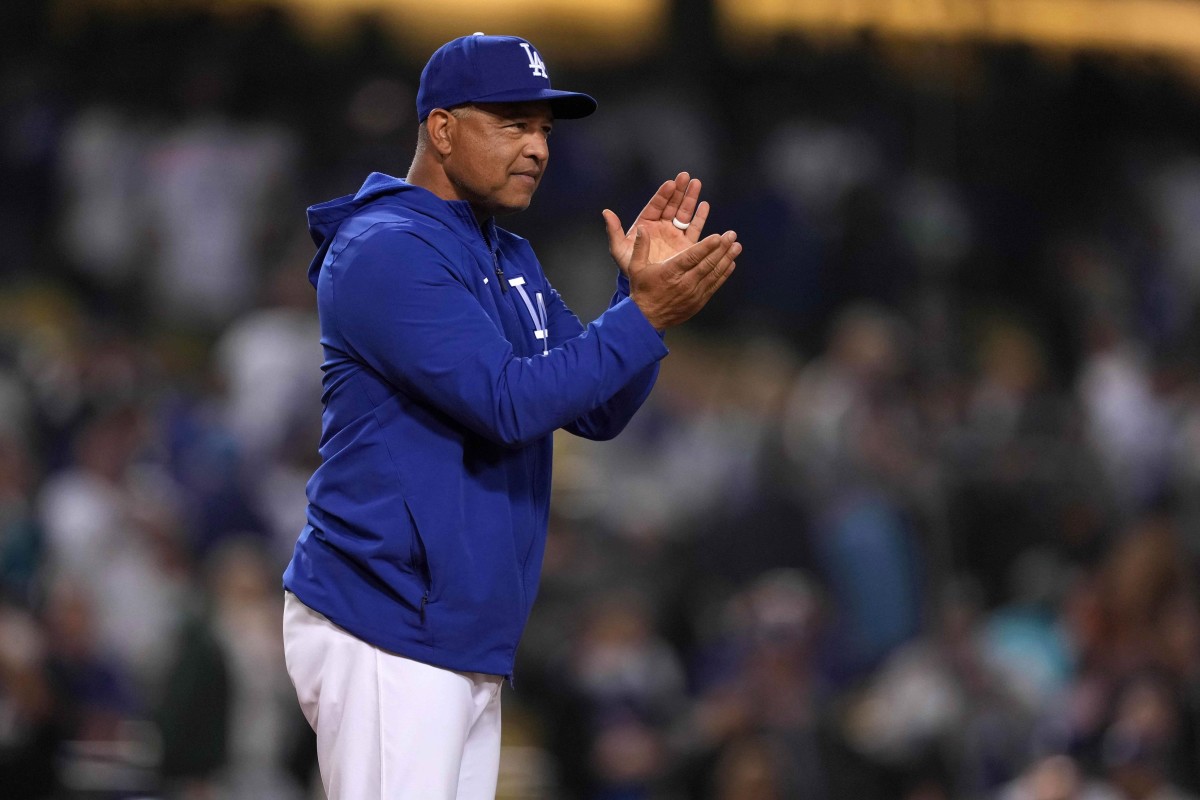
{"points": [[623, 283]]}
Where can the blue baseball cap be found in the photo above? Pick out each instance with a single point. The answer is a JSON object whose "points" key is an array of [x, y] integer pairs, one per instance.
{"points": [[493, 69]]}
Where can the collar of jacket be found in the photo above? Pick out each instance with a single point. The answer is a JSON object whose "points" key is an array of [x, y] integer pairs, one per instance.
{"points": [[456, 214]]}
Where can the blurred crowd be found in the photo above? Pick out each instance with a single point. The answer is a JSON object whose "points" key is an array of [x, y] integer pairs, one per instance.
{"points": [[913, 513]]}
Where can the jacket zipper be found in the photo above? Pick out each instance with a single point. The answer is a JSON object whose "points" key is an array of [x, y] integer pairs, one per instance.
{"points": [[495, 262], [424, 602], [500, 274]]}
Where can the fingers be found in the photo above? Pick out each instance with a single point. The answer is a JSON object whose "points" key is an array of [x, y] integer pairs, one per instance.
{"points": [[703, 253], [680, 190], [708, 274], [688, 206], [655, 209], [612, 226], [676, 199], [722, 268], [717, 262], [698, 220]]}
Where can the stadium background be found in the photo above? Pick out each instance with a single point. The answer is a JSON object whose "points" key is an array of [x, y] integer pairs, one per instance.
{"points": [[913, 512]]}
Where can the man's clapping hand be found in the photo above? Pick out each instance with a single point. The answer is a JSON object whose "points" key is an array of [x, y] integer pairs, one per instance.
{"points": [[675, 200], [671, 291]]}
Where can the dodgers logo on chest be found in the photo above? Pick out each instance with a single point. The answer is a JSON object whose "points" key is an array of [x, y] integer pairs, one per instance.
{"points": [[536, 306]]}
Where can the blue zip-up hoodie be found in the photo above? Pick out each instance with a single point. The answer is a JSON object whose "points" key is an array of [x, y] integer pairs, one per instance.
{"points": [[449, 363]]}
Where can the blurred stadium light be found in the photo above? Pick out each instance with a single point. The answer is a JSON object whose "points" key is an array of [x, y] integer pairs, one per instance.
{"points": [[595, 33], [1165, 26], [580, 32]]}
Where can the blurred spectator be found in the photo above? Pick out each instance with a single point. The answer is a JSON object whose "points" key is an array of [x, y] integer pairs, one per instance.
{"points": [[622, 689], [227, 711], [212, 189], [1145, 572], [1179, 639], [103, 216], [1018, 465], [31, 112], [761, 698], [1128, 424], [193, 710], [107, 745], [1023, 641], [22, 544], [30, 731], [1138, 742], [852, 436], [848, 415], [749, 769], [1055, 778], [269, 361], [938, 712], [112, 526], [263, 721]]}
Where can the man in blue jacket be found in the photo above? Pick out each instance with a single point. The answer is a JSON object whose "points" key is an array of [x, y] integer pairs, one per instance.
{"points": [[449, 363]]}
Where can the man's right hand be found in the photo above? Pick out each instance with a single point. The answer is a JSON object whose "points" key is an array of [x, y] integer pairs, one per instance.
{"points": [[670, 292]]}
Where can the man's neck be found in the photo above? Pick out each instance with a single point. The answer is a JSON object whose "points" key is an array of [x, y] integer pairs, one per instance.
{"points": [[433, 178]]}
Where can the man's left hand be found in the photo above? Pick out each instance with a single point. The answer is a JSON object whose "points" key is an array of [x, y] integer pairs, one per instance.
{"points": [[674, 200]]}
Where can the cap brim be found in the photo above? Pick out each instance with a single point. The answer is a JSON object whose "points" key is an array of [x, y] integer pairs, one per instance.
{"points": [[565, 105]]}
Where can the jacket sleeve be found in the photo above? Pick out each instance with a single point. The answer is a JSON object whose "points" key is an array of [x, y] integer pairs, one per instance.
{"points": [[610, 417], [402, 309]]}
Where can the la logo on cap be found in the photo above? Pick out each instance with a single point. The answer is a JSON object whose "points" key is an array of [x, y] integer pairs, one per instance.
{"points": [[535, 61]]}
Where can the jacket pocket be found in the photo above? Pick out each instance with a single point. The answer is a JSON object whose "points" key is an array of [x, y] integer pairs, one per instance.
{"points": [[422, 566]]}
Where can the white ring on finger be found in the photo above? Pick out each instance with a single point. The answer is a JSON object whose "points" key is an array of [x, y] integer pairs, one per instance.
{"points": [[683, 226]]}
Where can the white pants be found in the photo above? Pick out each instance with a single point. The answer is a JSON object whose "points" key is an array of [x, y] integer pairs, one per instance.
{"points": [[388, 727]]}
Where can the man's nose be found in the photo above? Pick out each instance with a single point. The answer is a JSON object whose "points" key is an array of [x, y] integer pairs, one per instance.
{"points": [[538, 147]]}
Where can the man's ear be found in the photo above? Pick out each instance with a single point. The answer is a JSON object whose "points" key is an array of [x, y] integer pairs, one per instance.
{"points": [[440, 127]]}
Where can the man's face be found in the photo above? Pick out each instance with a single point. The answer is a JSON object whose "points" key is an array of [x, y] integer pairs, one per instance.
{"points": [[499, 153]]}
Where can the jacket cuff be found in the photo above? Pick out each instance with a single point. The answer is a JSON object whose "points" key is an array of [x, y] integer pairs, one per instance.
{"points": [[622, 284], [633, 323]]}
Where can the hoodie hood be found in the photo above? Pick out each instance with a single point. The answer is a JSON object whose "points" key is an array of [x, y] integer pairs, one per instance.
{"points": [[324, 219]]}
